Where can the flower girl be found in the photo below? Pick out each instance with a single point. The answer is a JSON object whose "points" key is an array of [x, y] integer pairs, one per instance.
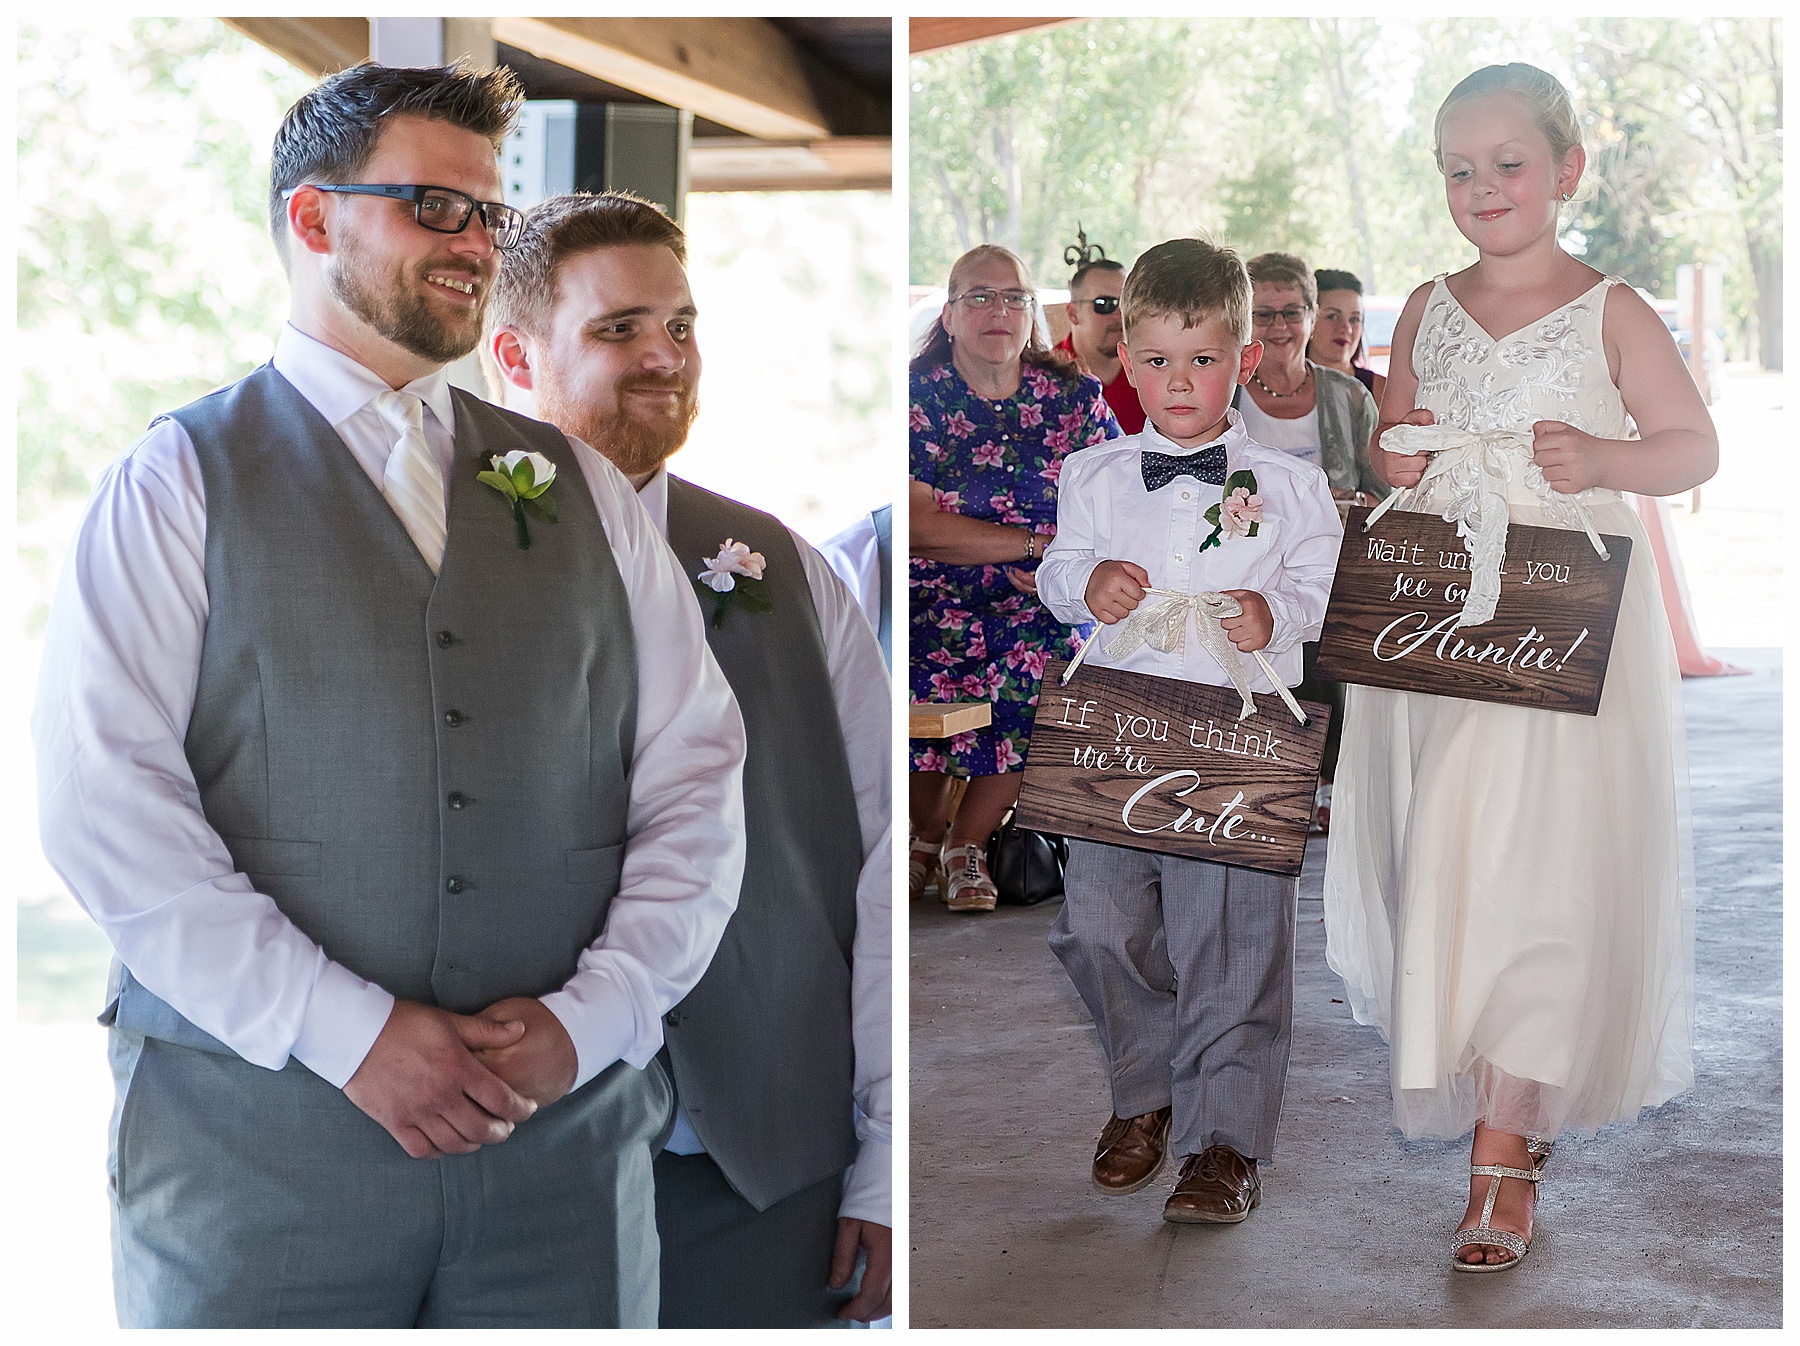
{"points": [[1509, 891]]}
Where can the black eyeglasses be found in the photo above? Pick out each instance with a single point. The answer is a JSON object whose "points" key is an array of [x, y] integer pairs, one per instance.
{"points": [[443, 210], [1103, 304]]}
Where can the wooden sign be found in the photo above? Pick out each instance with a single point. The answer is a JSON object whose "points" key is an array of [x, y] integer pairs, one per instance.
{"points": [[1396, 611], [1158, 764]]}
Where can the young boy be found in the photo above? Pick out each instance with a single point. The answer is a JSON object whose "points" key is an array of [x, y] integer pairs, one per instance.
{"points": [[1187, 965]]}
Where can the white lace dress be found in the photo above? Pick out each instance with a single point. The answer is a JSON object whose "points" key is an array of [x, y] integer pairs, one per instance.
{"points": [[1509, 892]]}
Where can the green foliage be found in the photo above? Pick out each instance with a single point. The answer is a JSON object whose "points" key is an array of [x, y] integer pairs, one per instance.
{"points": [[746, 592], [500, 482], [1315, 136], [140, 286]]}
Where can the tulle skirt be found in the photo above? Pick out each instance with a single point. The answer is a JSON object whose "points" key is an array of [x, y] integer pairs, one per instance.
{"points": [[1509, 893]]}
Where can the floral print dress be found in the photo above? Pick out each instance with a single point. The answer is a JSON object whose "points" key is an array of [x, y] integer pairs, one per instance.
{"points": [[973, 636]]}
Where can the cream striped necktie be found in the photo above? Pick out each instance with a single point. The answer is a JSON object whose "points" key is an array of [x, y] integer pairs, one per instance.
{"points": [[413, 483]]}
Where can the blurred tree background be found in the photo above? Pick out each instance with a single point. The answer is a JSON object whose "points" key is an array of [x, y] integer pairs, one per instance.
{"points": [[146, 277], [1315, 136]]}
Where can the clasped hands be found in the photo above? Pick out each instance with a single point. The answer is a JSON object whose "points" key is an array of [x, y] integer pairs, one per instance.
{"points": [[442, 1083], [1571, 460], [1116, 588]]}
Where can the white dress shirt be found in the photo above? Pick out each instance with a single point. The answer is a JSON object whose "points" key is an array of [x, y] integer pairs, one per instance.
{"points": [[859, 689], [1103, 513], [120, 811], [855, 556]]}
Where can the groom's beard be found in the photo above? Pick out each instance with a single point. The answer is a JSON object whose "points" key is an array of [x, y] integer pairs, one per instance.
{"points": [[636, 439], [389, 303]]}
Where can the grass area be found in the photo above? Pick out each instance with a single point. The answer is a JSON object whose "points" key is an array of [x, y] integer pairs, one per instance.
{"points": [[63, 960]]}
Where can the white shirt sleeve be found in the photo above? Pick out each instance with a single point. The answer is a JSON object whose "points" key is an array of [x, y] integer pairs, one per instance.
{"points": [[122, 823], [1070, 560], [854, 555], [1298, 594], [859, 688], [119, 810], [684, 849]]}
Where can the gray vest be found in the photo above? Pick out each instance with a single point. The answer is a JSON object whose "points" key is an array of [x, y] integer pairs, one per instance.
{"points": [[427, 775], [761, 1048]]}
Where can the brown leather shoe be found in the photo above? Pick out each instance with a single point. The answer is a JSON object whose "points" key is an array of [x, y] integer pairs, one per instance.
{"points": [[1130, 1152], [1216, 1186]]}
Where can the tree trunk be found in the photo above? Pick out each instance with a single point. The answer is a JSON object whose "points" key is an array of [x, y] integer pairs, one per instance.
{"points": [[1331, 49], [1007, 161], [1765, 266], [957, 213]]}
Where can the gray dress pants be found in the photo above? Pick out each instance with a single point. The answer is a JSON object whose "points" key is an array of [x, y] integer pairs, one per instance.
{"points": [[245, 1197], [727, 1264], [1187, 968]]}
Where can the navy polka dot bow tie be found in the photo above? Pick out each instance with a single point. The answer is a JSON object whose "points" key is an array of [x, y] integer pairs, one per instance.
{"points": [[1206, 465]]}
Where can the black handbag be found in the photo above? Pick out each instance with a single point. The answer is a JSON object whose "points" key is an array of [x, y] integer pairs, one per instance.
{"points": [[1026, 866]]}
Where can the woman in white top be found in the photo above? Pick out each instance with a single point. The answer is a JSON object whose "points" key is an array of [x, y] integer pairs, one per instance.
{"points": [[1295, 404]]}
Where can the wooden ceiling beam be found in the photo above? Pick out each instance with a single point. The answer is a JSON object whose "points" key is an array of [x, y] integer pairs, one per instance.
{"points": [[935, 34], [743, 73], [843, 163], [320, 47]]}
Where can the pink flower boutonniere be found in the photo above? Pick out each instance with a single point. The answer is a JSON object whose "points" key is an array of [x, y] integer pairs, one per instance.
{"points": [[734, 575], [1239, 514]]}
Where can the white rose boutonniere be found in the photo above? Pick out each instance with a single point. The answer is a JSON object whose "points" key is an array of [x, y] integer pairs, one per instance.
{"points": [[734, 575], [524, 479]]}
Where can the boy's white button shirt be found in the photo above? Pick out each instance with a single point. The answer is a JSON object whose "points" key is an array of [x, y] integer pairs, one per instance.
{"points": [[1103, 513]]}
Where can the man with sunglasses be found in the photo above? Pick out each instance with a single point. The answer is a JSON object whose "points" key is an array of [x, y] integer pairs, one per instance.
{"points": [[1095, 330], [408, 814]]}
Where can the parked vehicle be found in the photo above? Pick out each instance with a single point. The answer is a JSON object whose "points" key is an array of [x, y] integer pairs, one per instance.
{"points": [[1380, 313], [1712, 349]]}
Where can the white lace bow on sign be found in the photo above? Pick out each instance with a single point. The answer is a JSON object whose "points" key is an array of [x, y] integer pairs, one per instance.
{"points": [[1477, 469], [1161, 621]]}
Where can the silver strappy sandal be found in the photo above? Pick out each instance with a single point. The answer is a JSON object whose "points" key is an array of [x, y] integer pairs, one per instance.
{"points": [[1539, 1150], [1484, 1234]]}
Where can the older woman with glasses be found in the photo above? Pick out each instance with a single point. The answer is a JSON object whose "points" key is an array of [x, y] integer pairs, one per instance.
{"points": [[993, 414], [1295, 404], [1316, 413]]}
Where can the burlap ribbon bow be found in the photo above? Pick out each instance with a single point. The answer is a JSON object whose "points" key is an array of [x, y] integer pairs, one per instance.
{"points": [[1480, 468], [1161, 622]]}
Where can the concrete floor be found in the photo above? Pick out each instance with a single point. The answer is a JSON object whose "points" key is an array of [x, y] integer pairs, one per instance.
{"points": [[1675, 1222]]}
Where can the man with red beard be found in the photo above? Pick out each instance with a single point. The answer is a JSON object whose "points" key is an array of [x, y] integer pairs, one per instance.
{"points": [[407, 824], [778, 1171]]}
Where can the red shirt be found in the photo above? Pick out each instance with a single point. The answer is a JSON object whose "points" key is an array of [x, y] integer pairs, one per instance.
{"points": [[1120, 395]]}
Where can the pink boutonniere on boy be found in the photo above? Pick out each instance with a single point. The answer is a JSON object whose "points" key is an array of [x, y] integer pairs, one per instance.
{"points": [[1239, 514]]}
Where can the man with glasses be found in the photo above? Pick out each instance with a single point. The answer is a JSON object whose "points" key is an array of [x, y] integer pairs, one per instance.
{"points": [[407, 820], [1095, 331]]}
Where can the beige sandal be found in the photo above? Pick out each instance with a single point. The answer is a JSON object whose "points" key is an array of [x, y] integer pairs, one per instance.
{"points": [[970, 888], [923, 867]]}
